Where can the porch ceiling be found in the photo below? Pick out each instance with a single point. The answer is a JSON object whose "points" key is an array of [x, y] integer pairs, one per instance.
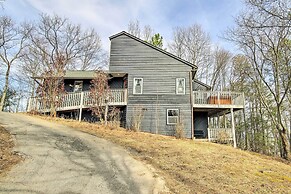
{"points": [[215, 111]]}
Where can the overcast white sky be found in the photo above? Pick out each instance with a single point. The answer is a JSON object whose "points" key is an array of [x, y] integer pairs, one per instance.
{"points": [[112, 16]]}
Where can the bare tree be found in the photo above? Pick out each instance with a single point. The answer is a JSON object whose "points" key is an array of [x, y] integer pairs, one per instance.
{"points": [[1, 3], [178, 46], [134, 28], [100, 95], [54, 36], [12, 39], [264, 37], [192, 44], [145, 33], [56, 45], [92, 53], [52, 86], [219, 75]]}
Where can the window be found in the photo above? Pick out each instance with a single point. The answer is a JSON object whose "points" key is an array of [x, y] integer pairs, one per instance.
{"points": [[172, 116], [180, 85], [78, 86], [137, 85]]}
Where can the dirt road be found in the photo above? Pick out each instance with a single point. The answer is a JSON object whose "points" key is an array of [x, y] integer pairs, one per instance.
{"points": [[63, 160]]}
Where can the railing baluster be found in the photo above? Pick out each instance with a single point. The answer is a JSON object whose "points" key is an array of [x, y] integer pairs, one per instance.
{"points": [[72, 100], [218, 98]]}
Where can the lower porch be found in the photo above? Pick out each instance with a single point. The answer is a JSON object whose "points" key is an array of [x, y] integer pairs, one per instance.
{"points": [[216, 125], [213, 113]]}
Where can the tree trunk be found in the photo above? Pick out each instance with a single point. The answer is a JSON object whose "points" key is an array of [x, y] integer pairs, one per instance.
{"points": [[18, 104], [285, 143], [32, 92], [106, 113], [245, 129], [5, 90]]}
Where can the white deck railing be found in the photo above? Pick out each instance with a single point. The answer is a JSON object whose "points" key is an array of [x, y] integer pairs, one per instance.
{"points": [[218, 99], [220, 134], [76, 100]]}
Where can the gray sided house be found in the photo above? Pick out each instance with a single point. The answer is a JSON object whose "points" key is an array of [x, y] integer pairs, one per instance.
{"points": [[160, 87]]}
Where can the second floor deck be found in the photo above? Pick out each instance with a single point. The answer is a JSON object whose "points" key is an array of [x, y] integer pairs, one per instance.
{"points": [[218, 99]]}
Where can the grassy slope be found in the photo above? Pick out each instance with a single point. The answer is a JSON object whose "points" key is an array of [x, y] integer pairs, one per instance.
{"points": [[199, 167]]}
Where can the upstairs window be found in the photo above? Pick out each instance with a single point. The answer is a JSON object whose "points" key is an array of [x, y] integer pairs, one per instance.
{"points": [[137, 85], [78, 86], [172, 116], [180, 85]]}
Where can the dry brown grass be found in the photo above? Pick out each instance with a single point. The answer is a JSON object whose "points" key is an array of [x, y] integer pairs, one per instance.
{"points": [[199, 167], [8, 158]]}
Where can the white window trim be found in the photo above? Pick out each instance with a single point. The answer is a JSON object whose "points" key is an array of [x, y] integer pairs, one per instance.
{"points": [[134, 92], [172, 116], [184, 86], [75, 85]]}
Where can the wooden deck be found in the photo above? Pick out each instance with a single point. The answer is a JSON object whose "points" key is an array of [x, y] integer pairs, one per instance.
{"points": [[218, 100], [77, 100]]}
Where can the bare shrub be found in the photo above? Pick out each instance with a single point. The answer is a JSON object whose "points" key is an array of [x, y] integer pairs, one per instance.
{"points": [[137, 117], [223, 137], [179, 129], [114, 118], [34, 112], [100, 95]]}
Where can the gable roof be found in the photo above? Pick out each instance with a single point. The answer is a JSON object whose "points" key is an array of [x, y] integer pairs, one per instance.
{"points": [[154, 47], [69, 74], [203, 84]]}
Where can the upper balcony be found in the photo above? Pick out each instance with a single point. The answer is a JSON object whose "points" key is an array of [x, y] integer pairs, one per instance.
{"points": [[218, 100], [77, 100]]}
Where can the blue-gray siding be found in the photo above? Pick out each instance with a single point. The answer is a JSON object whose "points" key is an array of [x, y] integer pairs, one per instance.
{"points": [[159, 73]]}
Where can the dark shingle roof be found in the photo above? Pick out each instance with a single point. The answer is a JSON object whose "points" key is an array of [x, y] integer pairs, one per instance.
{"points": [[88, 74], [79, 74]]}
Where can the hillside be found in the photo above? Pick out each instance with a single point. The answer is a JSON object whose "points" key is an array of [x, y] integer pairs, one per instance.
{"points": [[199, 167]]}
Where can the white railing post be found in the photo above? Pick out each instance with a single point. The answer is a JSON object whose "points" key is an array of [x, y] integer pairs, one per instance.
{"points": [[208, 131], [81, 106], [232, 128], [125, 96]]}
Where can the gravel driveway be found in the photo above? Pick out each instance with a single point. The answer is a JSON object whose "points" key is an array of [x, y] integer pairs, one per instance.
{"points": [[59, 159]]}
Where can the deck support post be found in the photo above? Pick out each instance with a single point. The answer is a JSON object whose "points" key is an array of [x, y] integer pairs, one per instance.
{"points": [[218, 121], [191, 102], [81, 106], [232, 128]]}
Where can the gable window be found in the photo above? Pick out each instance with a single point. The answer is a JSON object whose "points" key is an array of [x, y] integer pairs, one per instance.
{"points": [[172, 116], [137, 85], [180, 85], [78, 86]]}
